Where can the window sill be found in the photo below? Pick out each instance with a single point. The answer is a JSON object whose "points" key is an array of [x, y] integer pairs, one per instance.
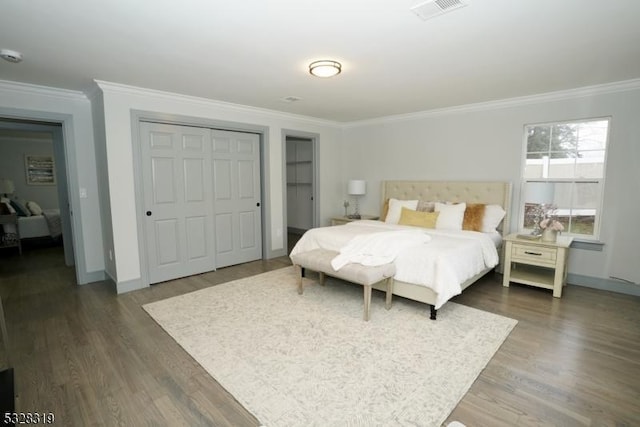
{"points": [[587, 245]]}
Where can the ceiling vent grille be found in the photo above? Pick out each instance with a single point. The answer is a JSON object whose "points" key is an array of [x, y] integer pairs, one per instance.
{"points": [[432, 8], [290, 99]]}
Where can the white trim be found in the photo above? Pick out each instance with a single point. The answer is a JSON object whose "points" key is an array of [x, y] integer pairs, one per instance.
{"points": [[606, 88], [136, 91], [561, 95], [53, 92]]}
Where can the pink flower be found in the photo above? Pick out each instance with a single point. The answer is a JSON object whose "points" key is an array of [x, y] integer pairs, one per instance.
{"points": [[552, 224]]}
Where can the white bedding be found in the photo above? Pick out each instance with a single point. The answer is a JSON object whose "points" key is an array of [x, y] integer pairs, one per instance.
{"points": [[378, 248], [442, 264], [47, 224]]}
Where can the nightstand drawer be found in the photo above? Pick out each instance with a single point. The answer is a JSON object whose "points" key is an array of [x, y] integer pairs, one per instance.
{"points": [[533, 254]]}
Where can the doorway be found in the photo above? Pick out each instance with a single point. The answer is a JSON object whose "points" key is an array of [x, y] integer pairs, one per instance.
{"points": [[301, 184], [39, 137]]}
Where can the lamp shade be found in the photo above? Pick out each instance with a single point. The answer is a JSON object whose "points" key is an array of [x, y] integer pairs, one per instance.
{"points": [[6, 186], [540, 193], [357, 187]]}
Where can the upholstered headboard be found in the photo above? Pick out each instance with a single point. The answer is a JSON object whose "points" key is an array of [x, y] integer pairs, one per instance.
{"points": [[491, 193]]}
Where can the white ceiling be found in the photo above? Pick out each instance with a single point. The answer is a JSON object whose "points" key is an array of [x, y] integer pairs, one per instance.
{"points": [[256, 52]]}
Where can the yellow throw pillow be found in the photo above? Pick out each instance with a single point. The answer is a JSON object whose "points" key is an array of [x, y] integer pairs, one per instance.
{"points": [[418, 218]]}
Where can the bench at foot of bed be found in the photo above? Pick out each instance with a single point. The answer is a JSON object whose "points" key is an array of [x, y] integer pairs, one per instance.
{"points": [[320, 260]]}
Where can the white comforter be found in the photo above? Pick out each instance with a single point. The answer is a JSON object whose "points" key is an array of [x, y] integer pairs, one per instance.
{"points": [[441, 263], [378, 248]]}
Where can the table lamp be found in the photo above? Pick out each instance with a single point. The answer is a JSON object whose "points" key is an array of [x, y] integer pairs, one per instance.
{"points": [[7, 187], [356, 188]]}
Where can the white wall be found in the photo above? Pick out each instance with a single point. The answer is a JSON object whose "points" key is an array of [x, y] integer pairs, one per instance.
{"points": [[119, 102], [12, 166], [485, 142], [73, 110]]}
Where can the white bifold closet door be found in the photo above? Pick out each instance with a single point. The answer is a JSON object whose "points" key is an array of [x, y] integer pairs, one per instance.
{"points": [[236, 204], [182, 216]]}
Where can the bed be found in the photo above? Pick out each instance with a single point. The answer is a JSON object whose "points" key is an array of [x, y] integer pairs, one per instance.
{"points": [[37, 226], [33, 221], [442, 246]]}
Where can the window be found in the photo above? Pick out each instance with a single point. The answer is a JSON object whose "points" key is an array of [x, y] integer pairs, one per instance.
{"points": [[564, 170]]}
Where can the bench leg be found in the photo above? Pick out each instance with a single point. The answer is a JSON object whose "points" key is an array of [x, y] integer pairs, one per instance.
{"points": [[321, 276], [367, 301], [300, 272], [389, 292]]}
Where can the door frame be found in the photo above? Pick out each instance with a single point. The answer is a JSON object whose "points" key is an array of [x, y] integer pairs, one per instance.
{"points": [[176, 119], [60, 125], [315, 190]]}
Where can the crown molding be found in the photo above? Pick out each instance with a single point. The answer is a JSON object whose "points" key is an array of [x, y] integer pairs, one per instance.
{"points": [[586, 91], [582, 92], [52, 92], [206, 102]]}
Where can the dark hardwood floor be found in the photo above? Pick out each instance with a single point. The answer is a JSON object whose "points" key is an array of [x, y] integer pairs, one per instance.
{"points": [[94, 358]]}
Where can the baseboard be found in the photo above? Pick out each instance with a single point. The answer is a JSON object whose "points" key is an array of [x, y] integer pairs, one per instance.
{"points": [[92, 277], [129, 285], [276, 253], [123, 287], [603, 284]]}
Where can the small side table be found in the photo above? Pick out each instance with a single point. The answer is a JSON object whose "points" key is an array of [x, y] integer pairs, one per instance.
{"points": [[340, 220], [537, 263], [10, 240]]}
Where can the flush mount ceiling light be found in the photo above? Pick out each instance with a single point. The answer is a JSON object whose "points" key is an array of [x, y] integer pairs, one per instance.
{"points": [[325, 68], [10, 55]]}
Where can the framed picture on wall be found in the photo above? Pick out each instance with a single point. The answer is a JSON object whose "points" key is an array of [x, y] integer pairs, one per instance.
{"points": [[40, 170]]}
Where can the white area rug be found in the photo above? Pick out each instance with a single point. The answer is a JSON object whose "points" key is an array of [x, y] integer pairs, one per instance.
{"points": [[310, 360]]}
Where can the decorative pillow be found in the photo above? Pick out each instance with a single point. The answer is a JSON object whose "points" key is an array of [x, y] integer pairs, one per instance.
{"points": [[395, 206], [493, 214], [20, 208], [385, 210], [418, 218], [34, 208], [450, 217], [426, 206], [473, 216]]}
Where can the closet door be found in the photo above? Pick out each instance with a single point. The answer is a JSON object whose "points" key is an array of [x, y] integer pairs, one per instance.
{"points": [[236, 193], [177, 183]]}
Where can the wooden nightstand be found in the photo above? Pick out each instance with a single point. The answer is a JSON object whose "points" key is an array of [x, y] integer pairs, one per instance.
{"points": [[536, 263], [340, 220]]}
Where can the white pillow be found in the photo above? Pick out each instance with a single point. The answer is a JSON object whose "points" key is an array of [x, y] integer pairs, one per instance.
{"points": [[493, 214], [395, 209], [450, 217], [34, 208]]}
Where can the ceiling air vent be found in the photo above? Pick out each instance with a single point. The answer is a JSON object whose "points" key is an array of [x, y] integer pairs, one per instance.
{"points": [[290, 99], [432, 8]]}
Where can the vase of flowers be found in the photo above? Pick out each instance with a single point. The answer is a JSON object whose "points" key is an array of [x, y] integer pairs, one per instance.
{"points": [[550, 229]]}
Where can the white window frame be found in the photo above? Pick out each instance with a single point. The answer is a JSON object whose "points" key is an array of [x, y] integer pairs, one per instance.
{"points": [[601, 181]]}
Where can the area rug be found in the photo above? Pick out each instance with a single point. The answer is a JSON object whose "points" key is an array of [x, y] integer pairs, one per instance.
{"points": [[311, 360]]}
